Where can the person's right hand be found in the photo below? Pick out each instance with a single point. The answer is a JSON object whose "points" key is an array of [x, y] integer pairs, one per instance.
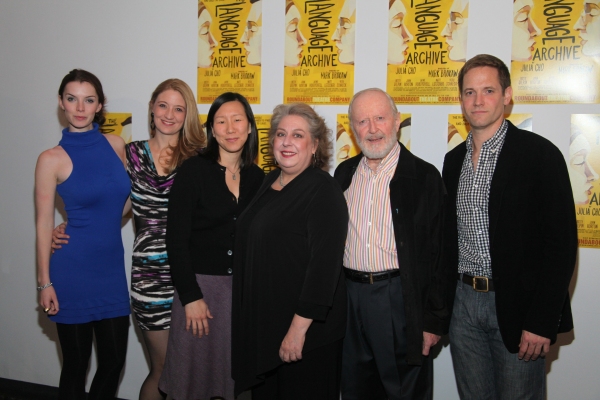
{"points": [[196, 317], [59, 237], [49, 301]]}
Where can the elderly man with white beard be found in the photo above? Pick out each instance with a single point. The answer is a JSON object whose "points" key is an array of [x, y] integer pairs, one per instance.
{"points": [[398, 292]]}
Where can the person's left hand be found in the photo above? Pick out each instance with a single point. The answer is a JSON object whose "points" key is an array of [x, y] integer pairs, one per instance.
{"points": [[533, 346], [293, 342], [429, 340], [59, 237]]}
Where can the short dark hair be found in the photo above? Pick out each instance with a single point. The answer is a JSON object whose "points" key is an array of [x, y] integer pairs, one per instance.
{"points": [[250, 149], [485, 60], [316, 124], [80, 75]]}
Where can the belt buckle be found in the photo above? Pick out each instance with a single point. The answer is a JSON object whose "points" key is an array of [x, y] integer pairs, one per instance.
{"points": [[370, 278], [487, 285]]}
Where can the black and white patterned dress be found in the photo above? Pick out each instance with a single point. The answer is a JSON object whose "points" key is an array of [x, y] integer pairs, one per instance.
{"points": [[151, 284]]}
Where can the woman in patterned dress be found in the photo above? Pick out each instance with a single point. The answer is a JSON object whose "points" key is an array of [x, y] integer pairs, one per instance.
{"points": [[176, 134]]}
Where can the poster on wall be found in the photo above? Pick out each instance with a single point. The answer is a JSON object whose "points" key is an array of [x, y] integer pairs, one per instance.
{"points": [[583, 166], [319, 51], [458, 127], [118, 124], [427, 46], [345, 142], [264, 160], [229, 49], [555, 55]]}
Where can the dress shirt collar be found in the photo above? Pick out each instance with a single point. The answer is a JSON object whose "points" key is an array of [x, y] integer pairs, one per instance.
{"points": [[492, 143]]}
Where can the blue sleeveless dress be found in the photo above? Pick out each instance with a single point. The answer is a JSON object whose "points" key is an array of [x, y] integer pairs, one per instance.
{"points": [[89, 273]]}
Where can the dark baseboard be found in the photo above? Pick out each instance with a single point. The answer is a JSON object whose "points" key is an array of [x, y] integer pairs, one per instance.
{"points": [[19, 390]]}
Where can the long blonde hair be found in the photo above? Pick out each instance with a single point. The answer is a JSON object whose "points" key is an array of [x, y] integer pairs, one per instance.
{"points": [[191, 138]]}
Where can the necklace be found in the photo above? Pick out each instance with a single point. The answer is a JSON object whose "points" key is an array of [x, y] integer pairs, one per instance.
{"points": [[281, 179], [233, 174]]}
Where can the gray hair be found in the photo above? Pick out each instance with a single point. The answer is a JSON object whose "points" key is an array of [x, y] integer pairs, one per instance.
{"points": [[392, 103], [319, 132]]}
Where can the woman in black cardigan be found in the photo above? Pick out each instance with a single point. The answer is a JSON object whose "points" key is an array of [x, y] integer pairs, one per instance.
{"points": [[289, 298], [208, 194]]}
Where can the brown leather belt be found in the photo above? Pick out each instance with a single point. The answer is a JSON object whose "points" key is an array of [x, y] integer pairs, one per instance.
{"points": [[479, 283], [370, 277]]}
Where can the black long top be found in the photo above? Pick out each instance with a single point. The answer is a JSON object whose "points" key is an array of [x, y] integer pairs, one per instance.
{"points": [[291, 264], [201, 222]]}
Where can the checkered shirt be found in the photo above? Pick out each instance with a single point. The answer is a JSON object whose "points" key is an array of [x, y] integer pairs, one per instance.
{"points": [[472, 203]]}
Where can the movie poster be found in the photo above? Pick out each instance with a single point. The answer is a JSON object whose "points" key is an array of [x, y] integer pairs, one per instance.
{"points": [[263, 122], [319, 51], [458, 127], [229, 49], [583, 166], [265, 161], [345, 141], [427, 46], [118, 124], [556, 51]]}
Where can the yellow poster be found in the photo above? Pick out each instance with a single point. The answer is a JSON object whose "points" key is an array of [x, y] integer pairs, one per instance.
{"points": [[264, 160], [458, 127], [427, 45], [458, 130], [118, 124], [583, 164], [556, 51], [345, 142], [229, 49], [319, 51]]}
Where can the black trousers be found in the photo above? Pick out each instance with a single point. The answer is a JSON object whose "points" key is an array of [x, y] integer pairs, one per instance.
{"points": [[76, 341], [315, 377], [374, 354]]}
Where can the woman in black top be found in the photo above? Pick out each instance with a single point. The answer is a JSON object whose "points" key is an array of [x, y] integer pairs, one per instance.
{"points": [[208, 194], [289, 298]]}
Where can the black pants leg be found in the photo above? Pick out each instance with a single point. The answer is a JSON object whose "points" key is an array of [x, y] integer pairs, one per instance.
{"points": [[111, 339], [76, 345], [375, 346]]}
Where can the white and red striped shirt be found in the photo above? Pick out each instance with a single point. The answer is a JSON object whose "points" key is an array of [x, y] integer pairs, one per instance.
{"points": [[370, 244]]}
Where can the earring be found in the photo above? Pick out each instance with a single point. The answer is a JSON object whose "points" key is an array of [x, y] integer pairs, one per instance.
{"points": [[152, 124], [314, 159]]}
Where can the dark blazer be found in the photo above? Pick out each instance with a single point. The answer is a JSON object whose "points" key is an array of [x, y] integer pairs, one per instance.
{"points": [[416, 198], [532, 234]]}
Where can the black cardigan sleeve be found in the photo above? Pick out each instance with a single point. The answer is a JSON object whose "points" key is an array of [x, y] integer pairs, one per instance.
{"points": [[182, 201], [327, 224]]}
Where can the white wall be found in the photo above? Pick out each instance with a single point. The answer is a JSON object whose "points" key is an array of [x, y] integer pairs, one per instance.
{"points": [[132, 46]]}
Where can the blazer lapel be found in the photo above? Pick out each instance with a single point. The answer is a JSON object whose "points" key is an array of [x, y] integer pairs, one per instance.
{"points": [[503, 174]]}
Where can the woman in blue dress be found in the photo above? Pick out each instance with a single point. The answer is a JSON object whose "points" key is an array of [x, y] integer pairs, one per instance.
{"points": [[83, 288], [175, 135]]}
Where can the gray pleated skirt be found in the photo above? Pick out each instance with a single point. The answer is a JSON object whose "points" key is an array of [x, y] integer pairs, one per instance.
{"points": [[200, 368]]}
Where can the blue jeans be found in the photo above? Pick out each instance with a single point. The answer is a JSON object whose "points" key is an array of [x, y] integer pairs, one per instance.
{"points": [[483, 367]]}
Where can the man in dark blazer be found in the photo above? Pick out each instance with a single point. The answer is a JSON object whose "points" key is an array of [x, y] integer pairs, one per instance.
{"points": [[398, 291], [510, 232]]}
